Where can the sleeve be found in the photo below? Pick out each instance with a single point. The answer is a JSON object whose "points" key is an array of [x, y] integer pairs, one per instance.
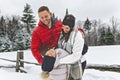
{"points": [[35, 47], [60, 53], [77, 51]]}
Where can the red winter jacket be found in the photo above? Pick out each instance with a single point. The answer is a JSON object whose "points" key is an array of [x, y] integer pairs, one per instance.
{"points": [[43, 37]]}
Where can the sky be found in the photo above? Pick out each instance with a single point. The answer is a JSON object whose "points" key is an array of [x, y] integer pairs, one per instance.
{"points": [[81, 9]]}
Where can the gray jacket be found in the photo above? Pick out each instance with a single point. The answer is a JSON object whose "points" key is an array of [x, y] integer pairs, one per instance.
{"points": [[75, 53]]}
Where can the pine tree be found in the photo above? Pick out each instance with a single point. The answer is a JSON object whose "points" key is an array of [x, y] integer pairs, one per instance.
{"points": [[13, 26], [102, 37], [118, 38], [109, 37], [66, 11], [28, 18], [53, 15], [87, 27], [2, 26]]}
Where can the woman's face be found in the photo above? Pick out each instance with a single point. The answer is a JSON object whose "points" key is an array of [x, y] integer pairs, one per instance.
{"points": [[65, 28]]}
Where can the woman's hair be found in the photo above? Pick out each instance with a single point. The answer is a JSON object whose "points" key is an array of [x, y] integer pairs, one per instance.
{"points": [[66, 35], [70, 21]]}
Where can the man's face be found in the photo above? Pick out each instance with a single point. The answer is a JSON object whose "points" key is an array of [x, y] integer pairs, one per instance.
{"points": [[45, 17], [66, 28]]}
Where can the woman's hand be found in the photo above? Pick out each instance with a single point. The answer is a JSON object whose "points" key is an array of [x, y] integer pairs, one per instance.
{"points": [[51, 53]]}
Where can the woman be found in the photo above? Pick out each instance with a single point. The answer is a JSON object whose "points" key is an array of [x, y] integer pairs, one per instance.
{"points": [[70, 45]]}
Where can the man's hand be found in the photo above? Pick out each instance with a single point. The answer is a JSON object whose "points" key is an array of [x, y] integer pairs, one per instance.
{"points": [[51, 53]]}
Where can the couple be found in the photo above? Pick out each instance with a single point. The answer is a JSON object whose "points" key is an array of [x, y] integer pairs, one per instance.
{"points": [[58, 46]]}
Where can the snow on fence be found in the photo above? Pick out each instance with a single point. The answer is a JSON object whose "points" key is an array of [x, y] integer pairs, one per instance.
{"points": [[19, 67], [20, 62], [104, 67]]}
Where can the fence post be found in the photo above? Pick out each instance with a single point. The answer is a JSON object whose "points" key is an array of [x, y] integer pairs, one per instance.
{"points": [[19, 63], [21, 58]]}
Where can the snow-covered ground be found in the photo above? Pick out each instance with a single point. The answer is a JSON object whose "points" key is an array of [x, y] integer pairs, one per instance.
{"points": [[108, 55]]}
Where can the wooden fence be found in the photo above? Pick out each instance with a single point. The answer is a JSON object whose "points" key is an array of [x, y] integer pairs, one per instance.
{"points": [[19, 62], [19, 67]]}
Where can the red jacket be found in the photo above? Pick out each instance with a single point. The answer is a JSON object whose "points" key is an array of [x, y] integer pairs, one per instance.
{"points": [[43, 37]]}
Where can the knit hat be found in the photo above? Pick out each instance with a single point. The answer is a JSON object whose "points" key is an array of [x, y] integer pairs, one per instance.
{"points": [[69, 20], [48, 63]]}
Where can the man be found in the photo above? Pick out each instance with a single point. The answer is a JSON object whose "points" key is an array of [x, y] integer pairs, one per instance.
{"points": [[45, 36]]}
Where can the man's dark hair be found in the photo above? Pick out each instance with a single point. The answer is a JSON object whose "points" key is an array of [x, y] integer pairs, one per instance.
{"points": [[43, 8]]}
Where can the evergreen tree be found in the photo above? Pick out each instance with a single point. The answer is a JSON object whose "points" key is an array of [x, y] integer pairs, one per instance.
{"points": [[20, 40], [87, 27], [28, 18], [5, 44], [66, 11], [13, 26], [2, 26], [109, 37], [118, 38], [102, 37], [53, 15]]}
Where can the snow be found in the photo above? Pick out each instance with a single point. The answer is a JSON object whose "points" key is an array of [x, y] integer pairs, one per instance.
{"points": [[108, 55], [4, 75], [96, 55], [91, 74]]}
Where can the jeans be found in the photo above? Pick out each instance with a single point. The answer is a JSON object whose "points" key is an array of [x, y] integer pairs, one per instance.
{"points": [[83, 66], [83, 69]]}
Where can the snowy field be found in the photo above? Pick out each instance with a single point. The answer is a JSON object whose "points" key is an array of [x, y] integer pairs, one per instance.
{"points": [[108, 55]]}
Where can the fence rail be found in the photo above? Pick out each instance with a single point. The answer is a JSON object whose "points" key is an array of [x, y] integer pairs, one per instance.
{"points": [[19, 67], [114, 67]]}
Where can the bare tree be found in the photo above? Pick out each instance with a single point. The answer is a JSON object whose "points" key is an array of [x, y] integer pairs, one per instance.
{"points": [[94, 35], [114, 24]]}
